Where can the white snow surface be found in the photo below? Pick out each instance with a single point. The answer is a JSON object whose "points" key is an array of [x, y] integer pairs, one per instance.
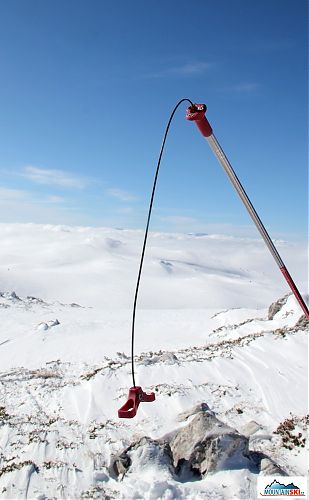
{"points": [[202, 335]]}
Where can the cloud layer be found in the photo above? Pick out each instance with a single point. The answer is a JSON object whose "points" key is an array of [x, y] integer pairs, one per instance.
{"points": [[54, 177], [121, 195]]}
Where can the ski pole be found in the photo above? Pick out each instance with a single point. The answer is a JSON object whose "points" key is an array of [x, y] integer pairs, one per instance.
{"points": [[196, 113]]}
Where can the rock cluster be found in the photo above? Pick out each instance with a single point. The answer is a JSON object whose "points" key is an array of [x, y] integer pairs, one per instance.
{"points": [[203, 446]]}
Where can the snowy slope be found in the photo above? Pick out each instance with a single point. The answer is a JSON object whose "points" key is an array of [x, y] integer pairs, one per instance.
{"points": [[65, 369]]}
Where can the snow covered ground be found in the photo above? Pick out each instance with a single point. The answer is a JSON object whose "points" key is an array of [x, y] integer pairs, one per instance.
{"points": [[202, 336]]}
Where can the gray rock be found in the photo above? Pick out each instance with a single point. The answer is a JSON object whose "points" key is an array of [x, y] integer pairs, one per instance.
{"points": [[277, 306], [250, 428], [34, 300], [265, 465], [193, 411], [169, 358], [208, 445], [121, 464], [270, 468], [302, 323], [10, 296], [48, 325], [142, 453], [204, 445]]}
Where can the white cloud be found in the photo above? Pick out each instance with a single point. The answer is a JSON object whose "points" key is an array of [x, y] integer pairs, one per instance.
{"points": [[8, 195], [53, 177], [245, 87], [194, 68], [188, 69], [121, 195]]}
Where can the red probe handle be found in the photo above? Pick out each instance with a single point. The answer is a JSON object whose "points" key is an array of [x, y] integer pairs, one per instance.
{"points": [[196, 113], [136, 396]]}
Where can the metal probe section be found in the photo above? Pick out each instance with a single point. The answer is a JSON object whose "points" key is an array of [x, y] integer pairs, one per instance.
{"points": [[215, 146], [196, 113]]}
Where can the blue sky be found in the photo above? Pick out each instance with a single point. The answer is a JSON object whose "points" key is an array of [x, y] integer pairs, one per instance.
{"points": [[87, 88]]}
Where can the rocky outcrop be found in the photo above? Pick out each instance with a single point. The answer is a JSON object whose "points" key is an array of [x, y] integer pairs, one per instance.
{"points": [[203, 446], [208, 445], [277, 306], [302, 323]]}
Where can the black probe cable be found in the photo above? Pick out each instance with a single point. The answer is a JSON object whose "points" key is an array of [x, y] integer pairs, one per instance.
{"points": [[146, 232]]}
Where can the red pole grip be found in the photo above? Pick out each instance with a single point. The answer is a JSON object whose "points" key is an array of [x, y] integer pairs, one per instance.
{"points": [[294, 289], [196, 113]]}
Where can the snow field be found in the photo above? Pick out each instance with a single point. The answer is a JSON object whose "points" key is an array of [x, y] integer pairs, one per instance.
{"points": [[202, 336]]}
